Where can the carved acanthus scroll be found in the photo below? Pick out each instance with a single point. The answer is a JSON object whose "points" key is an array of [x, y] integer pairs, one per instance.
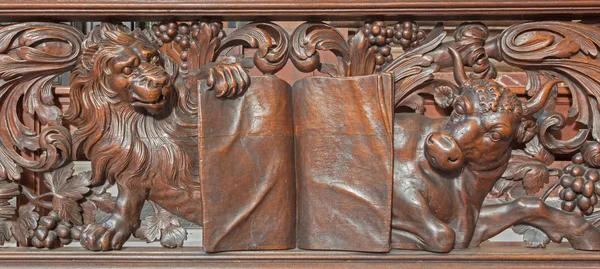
{"points": [[32, 56], [135, 102]]}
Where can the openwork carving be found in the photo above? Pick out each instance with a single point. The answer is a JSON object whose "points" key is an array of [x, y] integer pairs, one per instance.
{"points": [[468, 152], [170, 116], [33, 55]]}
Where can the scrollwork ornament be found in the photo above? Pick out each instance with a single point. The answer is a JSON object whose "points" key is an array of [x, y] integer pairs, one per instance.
{"points": [[563, 50], [270, 40], [32, 55]]}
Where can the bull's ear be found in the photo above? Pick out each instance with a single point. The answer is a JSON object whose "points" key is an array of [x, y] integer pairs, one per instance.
{"points": [[444, 95], [527, 130]]}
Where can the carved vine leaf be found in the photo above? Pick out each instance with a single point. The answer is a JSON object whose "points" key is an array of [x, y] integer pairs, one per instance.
{"points": [[509, 189], [530, 166], [533, 237], [31, 56], [173, 237], [89, 209], [8, 191], [67, 190], [102, 199], [563, 50], [22, 228], [5, 234], [105, 201], [594, 219], [163, 227]]}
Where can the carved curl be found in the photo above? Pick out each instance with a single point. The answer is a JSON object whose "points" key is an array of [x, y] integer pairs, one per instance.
{"points": [[31, 56]]}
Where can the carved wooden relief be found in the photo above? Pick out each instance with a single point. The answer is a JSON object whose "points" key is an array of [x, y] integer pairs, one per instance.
{"points": [[331, 162]]}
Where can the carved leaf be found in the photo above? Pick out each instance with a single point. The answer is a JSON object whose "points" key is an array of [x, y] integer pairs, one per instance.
{"points": [[309, 38], [5, 234], [67, 189], [530, 165], [536, 150], [25, 224], [8, 190], [64, 185], [173, 237], [523, 166], [152, 227], [562, 50], [270, 40], [68, 209], [533, 237], [594, 219], [510, 189], [416, 67], [105, 201], [362, 55], [31, 56], [206, 39], [89, 212]]}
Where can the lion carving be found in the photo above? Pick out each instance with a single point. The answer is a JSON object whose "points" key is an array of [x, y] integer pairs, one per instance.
{"points": [[137, 123]]}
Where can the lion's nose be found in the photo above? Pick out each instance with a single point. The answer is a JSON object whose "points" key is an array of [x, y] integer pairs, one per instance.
{"points": [[156, 83]]}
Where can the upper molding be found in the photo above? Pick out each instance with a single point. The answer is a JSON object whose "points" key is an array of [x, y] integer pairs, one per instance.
{"points": [[290, 9]]}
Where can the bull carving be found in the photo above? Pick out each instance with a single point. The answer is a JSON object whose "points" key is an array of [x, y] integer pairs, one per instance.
{"points": [[445, 167]]}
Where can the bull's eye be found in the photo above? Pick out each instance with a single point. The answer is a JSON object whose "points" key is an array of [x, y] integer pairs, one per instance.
{"points": [[459, 109], [154, 59], [127, 70], [495, 136]]}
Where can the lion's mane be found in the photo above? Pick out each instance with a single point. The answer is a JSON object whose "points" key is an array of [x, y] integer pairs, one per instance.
{"points": [[121, 142]]}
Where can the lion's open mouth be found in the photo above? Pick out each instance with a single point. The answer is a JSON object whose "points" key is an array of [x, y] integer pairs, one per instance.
{"points": [[159, 103]]}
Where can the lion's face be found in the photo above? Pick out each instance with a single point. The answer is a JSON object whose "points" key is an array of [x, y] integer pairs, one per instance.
{"points": [[136, 75]]}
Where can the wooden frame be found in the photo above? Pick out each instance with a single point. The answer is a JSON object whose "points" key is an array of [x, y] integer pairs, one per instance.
{"points": [[493, 255]]}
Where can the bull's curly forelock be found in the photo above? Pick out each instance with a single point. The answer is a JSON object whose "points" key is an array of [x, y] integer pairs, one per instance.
{"points": [[493, 97]]}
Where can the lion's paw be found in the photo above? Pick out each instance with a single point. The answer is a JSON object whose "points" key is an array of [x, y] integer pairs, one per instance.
{"points": [[228, 78], [105, 236]]}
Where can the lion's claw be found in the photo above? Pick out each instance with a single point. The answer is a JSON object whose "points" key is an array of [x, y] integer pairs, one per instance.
{"points": [[228, 79], [103, 237]]}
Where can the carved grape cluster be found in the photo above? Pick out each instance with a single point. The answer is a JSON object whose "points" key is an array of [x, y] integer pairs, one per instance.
{"points": [[183, 33], [581, 186], [379, 37], [52, 232], [408, 35]]}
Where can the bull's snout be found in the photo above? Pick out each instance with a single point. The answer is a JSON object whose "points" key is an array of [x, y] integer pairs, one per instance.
{"points": [[442, 152]]}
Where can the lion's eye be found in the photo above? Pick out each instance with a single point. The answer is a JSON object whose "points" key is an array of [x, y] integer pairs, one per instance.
{"points": [[127, 71], [495, 136]]}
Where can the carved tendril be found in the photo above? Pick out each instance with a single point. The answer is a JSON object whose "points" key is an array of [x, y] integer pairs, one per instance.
{"points": [[270, 40]]}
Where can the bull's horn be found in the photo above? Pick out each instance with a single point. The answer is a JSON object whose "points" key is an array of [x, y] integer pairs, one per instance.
{"points": [[459, 69], [535, 103]]}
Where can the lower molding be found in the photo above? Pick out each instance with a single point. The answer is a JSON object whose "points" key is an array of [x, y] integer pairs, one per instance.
{"points": [[491, 255]]}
